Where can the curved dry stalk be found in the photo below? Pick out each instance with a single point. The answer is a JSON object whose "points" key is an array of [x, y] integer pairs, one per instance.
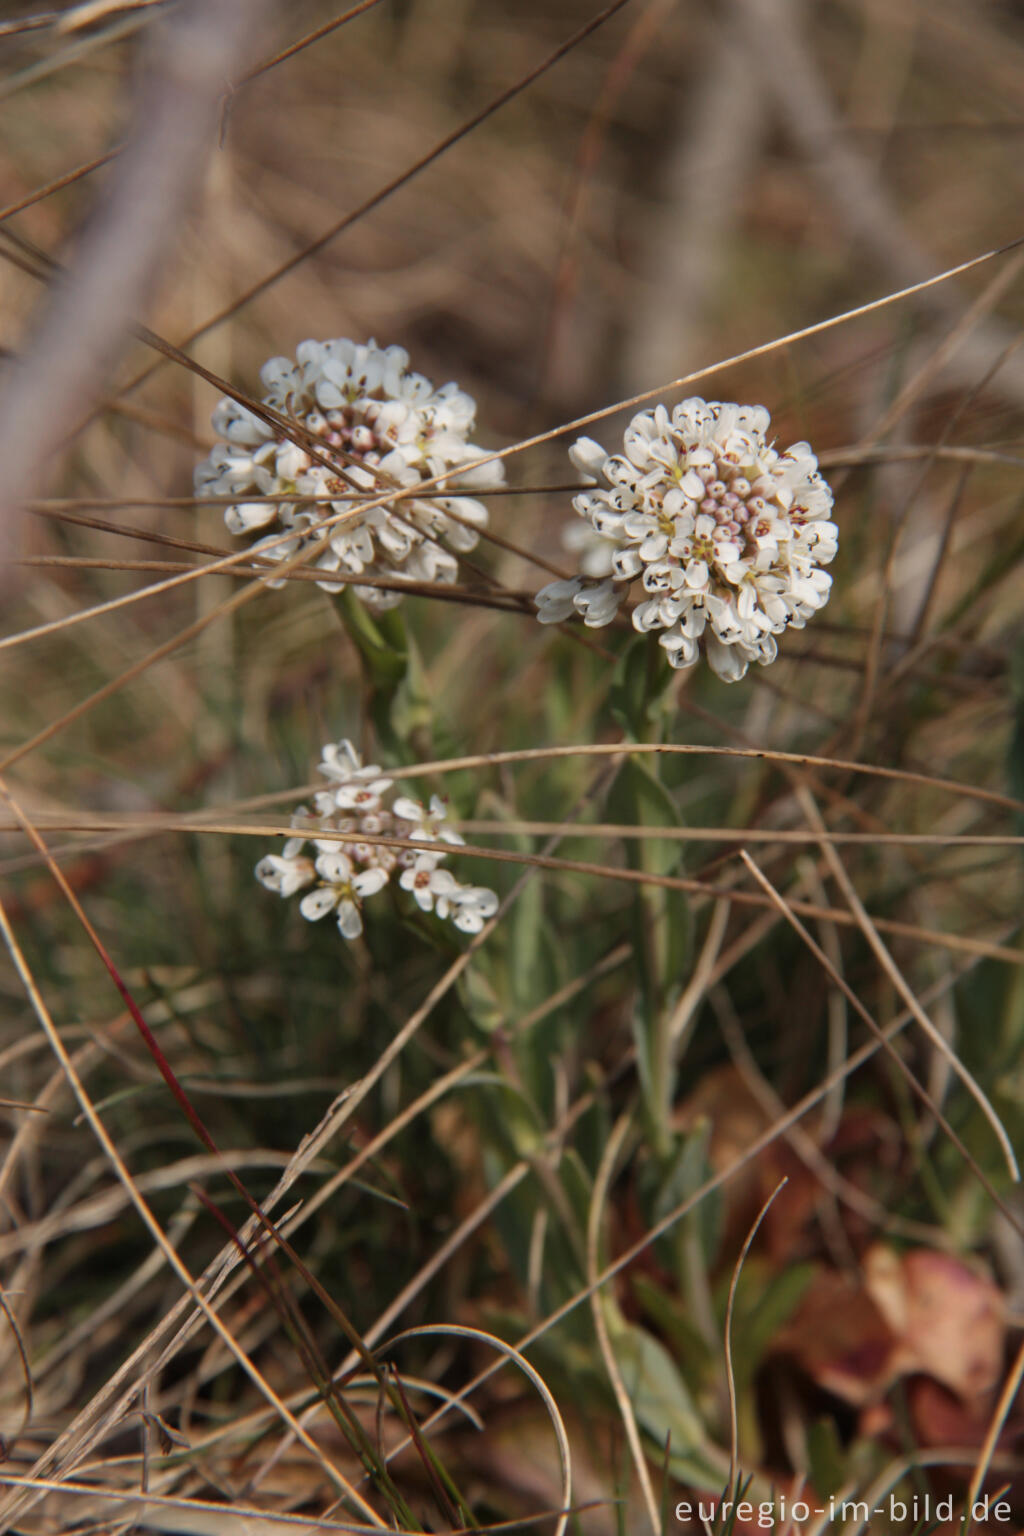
{"points": [[11, 1439], [17, 1506], [713, 1183], [762, 754], [913, 1009], [224, 1519], [1000, 1414], [807, 1147], [730, 1375], [693, 887], [602, 1180], [685, 749], [696, 988], [460, 1331], [393, 1311], [892, 970]]}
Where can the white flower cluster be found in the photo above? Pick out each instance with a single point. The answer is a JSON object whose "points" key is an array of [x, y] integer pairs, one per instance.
{"points": [[381, 427], [345, 869], [727, 535]]}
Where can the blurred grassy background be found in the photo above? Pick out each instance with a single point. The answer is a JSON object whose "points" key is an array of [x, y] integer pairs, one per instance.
{"points": [[687, 183]]}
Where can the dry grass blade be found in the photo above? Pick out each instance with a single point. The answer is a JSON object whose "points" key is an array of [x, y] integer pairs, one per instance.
{"points": [[424, 1125], [88, 12], [598, 1309], [159, 1237], [191, 1516], [730, 1374], [67, 180], [393, 186], [696, 887], [685, 1010], [510, 1352], [913, 1009], [9, 1441], [310, 38], [1000, 1413], [892, 970]]}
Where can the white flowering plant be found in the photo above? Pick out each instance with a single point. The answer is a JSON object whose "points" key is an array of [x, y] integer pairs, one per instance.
{"points": [[363, 423], [358, 836], [744, 863], [726, 536]]}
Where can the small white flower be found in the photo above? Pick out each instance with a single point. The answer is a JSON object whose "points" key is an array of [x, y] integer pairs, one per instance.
{"points": [[427, 826], [342, 889], [474, 905], [378, 426], [555, 602], [428, 883], [599, 604], [594, 554], [726, 534], [352, 863], [285, 875], [361, 795], [340, 760]]}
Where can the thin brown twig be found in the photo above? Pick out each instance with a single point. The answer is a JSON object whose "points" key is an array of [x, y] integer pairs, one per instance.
{"points": [[340, 225], [68, 179], [90, 308], [305, 42], [730, 1375], [789, 912]]}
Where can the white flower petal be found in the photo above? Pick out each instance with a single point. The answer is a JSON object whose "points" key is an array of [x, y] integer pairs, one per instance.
{"points": [[350, 920], [369, 882], [316, 904]]}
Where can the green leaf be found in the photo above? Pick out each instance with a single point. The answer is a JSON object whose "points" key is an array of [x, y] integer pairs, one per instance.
{"points": [[660, 932], [663, 1406], [659, 1396], [765, 1301], [1015, 755], [381, 640], [668, 1312], [679, 1177], [412, 708], [825, 1457], [479, 998], [640, 683]]}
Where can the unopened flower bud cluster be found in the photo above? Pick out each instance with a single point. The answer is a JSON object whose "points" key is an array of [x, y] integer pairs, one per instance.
{"points": [[339, 872], [726, 535], [380, 426]]}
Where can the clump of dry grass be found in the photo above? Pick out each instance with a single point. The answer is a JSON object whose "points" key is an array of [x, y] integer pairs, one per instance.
{"points": [[277, 1213]]}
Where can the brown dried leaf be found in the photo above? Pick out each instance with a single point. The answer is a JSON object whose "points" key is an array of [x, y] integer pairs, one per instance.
{"points": [[948, 1318], [841, 1339]]}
